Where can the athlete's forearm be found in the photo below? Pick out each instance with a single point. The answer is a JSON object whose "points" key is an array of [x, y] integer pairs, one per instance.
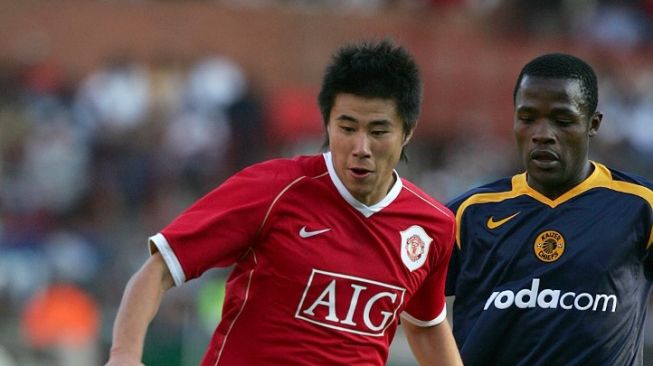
{"points": [[138, 307], [433, 346]]}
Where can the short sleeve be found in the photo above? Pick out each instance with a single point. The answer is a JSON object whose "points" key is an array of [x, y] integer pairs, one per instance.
{"points": [[220, 227]]}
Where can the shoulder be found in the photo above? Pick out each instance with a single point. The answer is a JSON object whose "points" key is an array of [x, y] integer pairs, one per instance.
{"points": [[420, 196], [271, 177], [287, 168], [630, 183], [620, 176], [494, 188]]}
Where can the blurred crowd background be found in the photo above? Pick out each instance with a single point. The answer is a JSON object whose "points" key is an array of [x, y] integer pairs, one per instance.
{"points": [[115, 115]]}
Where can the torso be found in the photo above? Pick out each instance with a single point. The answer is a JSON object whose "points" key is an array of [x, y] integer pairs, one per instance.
{"points": [[323, 281], [560, 282]]}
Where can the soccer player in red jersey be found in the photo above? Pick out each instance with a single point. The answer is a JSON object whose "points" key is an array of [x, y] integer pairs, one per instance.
{"points": [[329, 251]]}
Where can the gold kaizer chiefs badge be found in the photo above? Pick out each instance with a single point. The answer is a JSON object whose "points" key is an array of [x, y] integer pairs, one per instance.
{"points": [[549, 246]]}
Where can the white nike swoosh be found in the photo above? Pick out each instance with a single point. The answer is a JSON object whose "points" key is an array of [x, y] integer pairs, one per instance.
{"points": [[307, 234]]}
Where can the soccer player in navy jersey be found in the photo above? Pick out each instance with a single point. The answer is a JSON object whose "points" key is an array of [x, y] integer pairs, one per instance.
{"points": [[328, 250], [553, 266]]}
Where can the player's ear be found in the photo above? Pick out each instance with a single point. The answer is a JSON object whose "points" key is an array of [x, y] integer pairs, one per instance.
{"points": [[407, 137], [595, 123]]}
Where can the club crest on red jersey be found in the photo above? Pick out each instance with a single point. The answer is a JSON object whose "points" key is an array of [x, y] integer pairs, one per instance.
{"points": [[415, 245]]}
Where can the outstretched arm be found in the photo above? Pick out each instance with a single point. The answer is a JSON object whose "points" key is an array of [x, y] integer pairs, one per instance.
{"points": [[432, 346], [139, 305]]}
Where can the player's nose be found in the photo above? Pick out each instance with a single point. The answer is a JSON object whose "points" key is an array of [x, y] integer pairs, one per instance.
{"points": [[362, 145], [542, 132]]}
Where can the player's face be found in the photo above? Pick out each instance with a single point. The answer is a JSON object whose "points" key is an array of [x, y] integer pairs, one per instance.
{"points": [[366, 137], [552, 130]]}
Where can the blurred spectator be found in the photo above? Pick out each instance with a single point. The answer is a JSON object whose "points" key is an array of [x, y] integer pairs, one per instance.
{"points": [[626, 100], [214, 83], [198, 135], [63, 320], [114, 98], [249, 130], [55, 165], [609, 23], [5, 358], [112, 106], [167, 78]]}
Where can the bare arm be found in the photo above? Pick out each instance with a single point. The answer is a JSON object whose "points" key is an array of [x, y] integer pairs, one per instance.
{"points": [[139, 305], [432, 346]]}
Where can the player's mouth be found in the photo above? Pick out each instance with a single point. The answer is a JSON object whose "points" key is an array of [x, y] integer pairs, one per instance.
{"points": [[544, 159], [360, 173]]}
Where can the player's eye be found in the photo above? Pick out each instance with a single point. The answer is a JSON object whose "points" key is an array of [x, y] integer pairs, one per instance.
{"points": [[564, 120]]}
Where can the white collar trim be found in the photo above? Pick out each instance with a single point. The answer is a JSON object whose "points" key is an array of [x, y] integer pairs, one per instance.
{"points": [[367, 211]]}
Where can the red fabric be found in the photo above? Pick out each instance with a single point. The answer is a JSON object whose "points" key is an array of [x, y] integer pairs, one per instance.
{"points": [[324, 298]]}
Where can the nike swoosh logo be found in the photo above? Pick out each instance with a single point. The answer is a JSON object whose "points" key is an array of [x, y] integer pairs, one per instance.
{"points": [[491, 224], [307, 234]]}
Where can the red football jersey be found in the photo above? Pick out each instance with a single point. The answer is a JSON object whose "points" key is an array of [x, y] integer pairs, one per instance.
{"points": [[319, 277]]}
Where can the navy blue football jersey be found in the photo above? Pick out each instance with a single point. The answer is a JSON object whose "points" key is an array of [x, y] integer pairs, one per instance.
{"points": [[553, 282]]}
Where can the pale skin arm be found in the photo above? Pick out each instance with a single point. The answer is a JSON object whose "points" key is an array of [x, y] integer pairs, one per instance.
{"points": [[432, 346], [139, 305]]}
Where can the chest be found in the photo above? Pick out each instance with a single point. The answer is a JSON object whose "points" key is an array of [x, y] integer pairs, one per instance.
{"points": [[347, 269], [322, 231], [525, 236]]}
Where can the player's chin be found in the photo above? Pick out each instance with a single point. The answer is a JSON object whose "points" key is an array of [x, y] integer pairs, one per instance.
{"points": [[546, 177], [550, 167], [359, 190]]}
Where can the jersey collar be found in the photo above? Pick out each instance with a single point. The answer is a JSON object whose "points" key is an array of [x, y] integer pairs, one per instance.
{"points": [[367, 211], [600, 177]]}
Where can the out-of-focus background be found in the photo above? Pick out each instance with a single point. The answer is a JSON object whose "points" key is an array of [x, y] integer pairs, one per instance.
{"points": [[115, 115]]}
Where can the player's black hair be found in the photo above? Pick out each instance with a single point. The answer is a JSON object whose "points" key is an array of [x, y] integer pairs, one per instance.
{"points": [[563, 66], [374, 70]]}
